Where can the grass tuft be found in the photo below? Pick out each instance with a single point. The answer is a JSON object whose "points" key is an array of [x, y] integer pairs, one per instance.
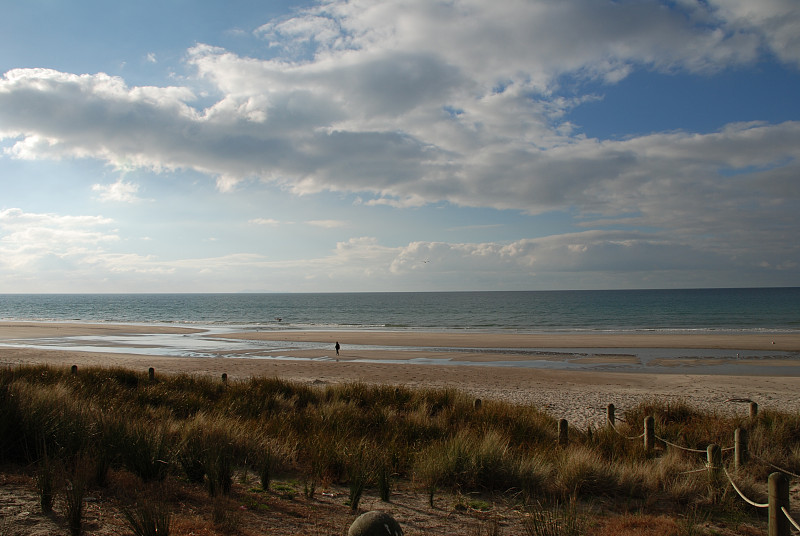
{"points": [[148, 518], [561, 520], [74, 494], [46, 480]]}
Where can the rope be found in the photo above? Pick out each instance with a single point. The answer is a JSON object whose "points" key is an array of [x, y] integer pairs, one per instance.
{"points": [[680, 447], [621, 434], [694, 471], [640, 436], [776, 467], [757, 505], [726, 449], [792, 521]]}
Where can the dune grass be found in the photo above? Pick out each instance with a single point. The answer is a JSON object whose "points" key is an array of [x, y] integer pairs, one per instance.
{"points": [[203, 430]]}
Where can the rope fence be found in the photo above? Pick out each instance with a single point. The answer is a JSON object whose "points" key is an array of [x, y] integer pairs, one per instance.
{"points": [[782, 470], [623, 435], [792, 521], [780, 520], [687, 449], [778, 482], [701, 470], [741, 494]]}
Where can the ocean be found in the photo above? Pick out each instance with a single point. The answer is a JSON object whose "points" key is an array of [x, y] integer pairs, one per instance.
{"points": [[754, 310], [746, 310]]}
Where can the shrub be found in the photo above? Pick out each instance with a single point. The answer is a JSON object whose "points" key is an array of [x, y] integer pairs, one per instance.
{"points": [[359, 472], [265, 467], [533, 474], [11, 440], [327, 456], [525, 426], [54, 413], [219, 469], [74, 493], [45, 480], [561, 520], [223, 515], [222, 443], [191, 452], [614, 445], [583, 471], [146, 451], [471, 462], [428, 474], [149, 518], [664, 413], [384, 475], [270, 457]]}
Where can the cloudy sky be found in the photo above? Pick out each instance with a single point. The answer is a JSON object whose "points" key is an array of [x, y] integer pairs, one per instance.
{"points": [[396, 145]]}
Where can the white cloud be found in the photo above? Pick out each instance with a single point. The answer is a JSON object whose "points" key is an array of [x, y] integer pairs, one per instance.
{"points": [[61, 249], [327, 224], [622, 259], [120, 191], [63, 115], [776, 22], [29, 240], [293, 33], [264, 221], [408, 102]]}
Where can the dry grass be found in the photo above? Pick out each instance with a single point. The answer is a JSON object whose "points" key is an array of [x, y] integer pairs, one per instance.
{"points": [[203, 431], [640, 525]]}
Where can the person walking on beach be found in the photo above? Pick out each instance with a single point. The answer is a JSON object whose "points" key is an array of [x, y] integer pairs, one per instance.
{"points": [[337, 347]]}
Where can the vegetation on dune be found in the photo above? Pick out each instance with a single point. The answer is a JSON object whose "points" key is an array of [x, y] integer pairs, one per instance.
{"points": [[204, 431]]}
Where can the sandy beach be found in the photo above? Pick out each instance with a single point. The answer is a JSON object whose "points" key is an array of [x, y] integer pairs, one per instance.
{"points": [[580, 396]]}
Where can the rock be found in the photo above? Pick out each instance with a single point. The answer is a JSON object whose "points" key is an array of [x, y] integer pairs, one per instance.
{"points": [[375, 523]]}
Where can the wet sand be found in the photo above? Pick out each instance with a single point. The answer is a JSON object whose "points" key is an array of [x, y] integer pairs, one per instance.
{"points": [[778, 341]]}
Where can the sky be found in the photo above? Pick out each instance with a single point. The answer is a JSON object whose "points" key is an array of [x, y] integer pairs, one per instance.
{"points": [[398, 145]]}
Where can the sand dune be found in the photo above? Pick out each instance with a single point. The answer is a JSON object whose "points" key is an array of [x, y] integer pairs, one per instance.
{"points": [[580, 396]]}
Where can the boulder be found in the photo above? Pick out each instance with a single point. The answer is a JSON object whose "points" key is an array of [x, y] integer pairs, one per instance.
{"points": [[375, 523]]}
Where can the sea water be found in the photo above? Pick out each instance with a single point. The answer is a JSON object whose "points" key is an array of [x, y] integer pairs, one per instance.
{"points": [[762, 310], [746, 310]]}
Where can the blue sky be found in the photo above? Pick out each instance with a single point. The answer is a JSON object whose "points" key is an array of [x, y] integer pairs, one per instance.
{"points": [[398, 145]]}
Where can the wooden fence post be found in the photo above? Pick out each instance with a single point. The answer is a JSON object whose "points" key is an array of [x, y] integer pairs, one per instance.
{"points": [[563, 432], [753, 410], [151, 372], [610, 414], [778, 496], [740, 452], [649, 433], [714, 458]]}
